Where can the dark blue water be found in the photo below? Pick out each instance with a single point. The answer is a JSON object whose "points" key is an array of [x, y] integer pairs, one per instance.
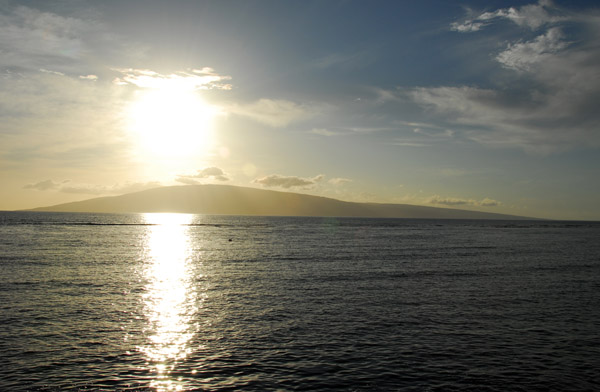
{"points": [[181, 302]]}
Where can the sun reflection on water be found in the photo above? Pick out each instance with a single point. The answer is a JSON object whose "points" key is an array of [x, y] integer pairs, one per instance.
{"points": [[169, 301]]}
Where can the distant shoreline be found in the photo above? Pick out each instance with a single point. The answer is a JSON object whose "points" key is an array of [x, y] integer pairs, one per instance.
{"points": [[233, 200]]}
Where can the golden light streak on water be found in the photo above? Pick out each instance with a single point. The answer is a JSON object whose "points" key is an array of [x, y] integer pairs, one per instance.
{"points": [[169, 301]]}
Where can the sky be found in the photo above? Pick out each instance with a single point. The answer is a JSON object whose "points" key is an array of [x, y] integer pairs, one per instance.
{"points": [[488, 106]]}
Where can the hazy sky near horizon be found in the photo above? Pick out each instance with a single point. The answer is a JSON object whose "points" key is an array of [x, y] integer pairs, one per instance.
{"points": [[491, 106]]}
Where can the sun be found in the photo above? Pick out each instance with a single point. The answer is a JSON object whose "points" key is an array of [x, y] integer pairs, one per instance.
{"points": [[171, 122]]}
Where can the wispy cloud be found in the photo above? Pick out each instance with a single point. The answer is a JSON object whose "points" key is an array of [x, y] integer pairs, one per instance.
{"points": [[51, 72], [187, 181], [32, 39], [545, 107], [453, 201], [489, 202], [467, 26], [213, 172], [44, 185], [532, 16], [323, 132], [67, 186], [53, 117], [275, 113], [405, 143], [524, 56], [192, 79], [366, 130], [343, 60], [287, 182], [415, 134], [339, 181]]}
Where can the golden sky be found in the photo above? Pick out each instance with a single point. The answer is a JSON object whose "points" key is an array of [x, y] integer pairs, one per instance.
{"points": [[489, 107]]}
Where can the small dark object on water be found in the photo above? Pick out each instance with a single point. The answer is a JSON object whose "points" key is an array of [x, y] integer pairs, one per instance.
{"points": [[230, 240]]}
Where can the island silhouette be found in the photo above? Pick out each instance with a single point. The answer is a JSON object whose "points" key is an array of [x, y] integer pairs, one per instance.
{"points": [[235, 200]]}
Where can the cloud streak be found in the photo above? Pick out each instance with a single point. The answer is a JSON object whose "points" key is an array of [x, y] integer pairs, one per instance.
{"points": [[339, 181], [323, 132], [192, 79], [525, 56], [213, 172], [56, 118], [32, 39], [532, 16], [44, 185], [29, 38], [275, 113], [544, 104], [452, 202], [66, 186], [287, 182]]}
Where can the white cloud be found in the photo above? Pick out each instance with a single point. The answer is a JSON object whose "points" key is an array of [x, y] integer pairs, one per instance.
{"points": [[466, 102], [29, 38], [417, 134], [187, 181], [489, 202], [532, 16], [51, 72], [545, 102], [436, 133], [54, 118], [370, 129], [43, 185], [323, 132], [450, 201], [381, 95], [192, 79], [49, 115], [66, 186], [275, 113], [275, 180], [467, 27], [403, 143], [453, 201], [213, 172], [489, 117], [523, 56], [339, 181]]}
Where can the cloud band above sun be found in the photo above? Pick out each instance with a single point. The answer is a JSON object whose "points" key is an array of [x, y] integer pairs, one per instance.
{"points": [[194, 79]]}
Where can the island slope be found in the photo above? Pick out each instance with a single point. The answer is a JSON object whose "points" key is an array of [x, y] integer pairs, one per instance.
{"points": [[235, 200]]}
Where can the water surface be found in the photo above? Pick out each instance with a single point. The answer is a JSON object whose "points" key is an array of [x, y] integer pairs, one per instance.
{"points": [[188, 302]]}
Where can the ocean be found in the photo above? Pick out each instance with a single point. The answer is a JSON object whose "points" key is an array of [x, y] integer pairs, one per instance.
{"points": [[169, 302]]}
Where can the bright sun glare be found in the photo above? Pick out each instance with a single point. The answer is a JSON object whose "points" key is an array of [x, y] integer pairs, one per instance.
{"points": [[170, 299], [171, 121]]}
